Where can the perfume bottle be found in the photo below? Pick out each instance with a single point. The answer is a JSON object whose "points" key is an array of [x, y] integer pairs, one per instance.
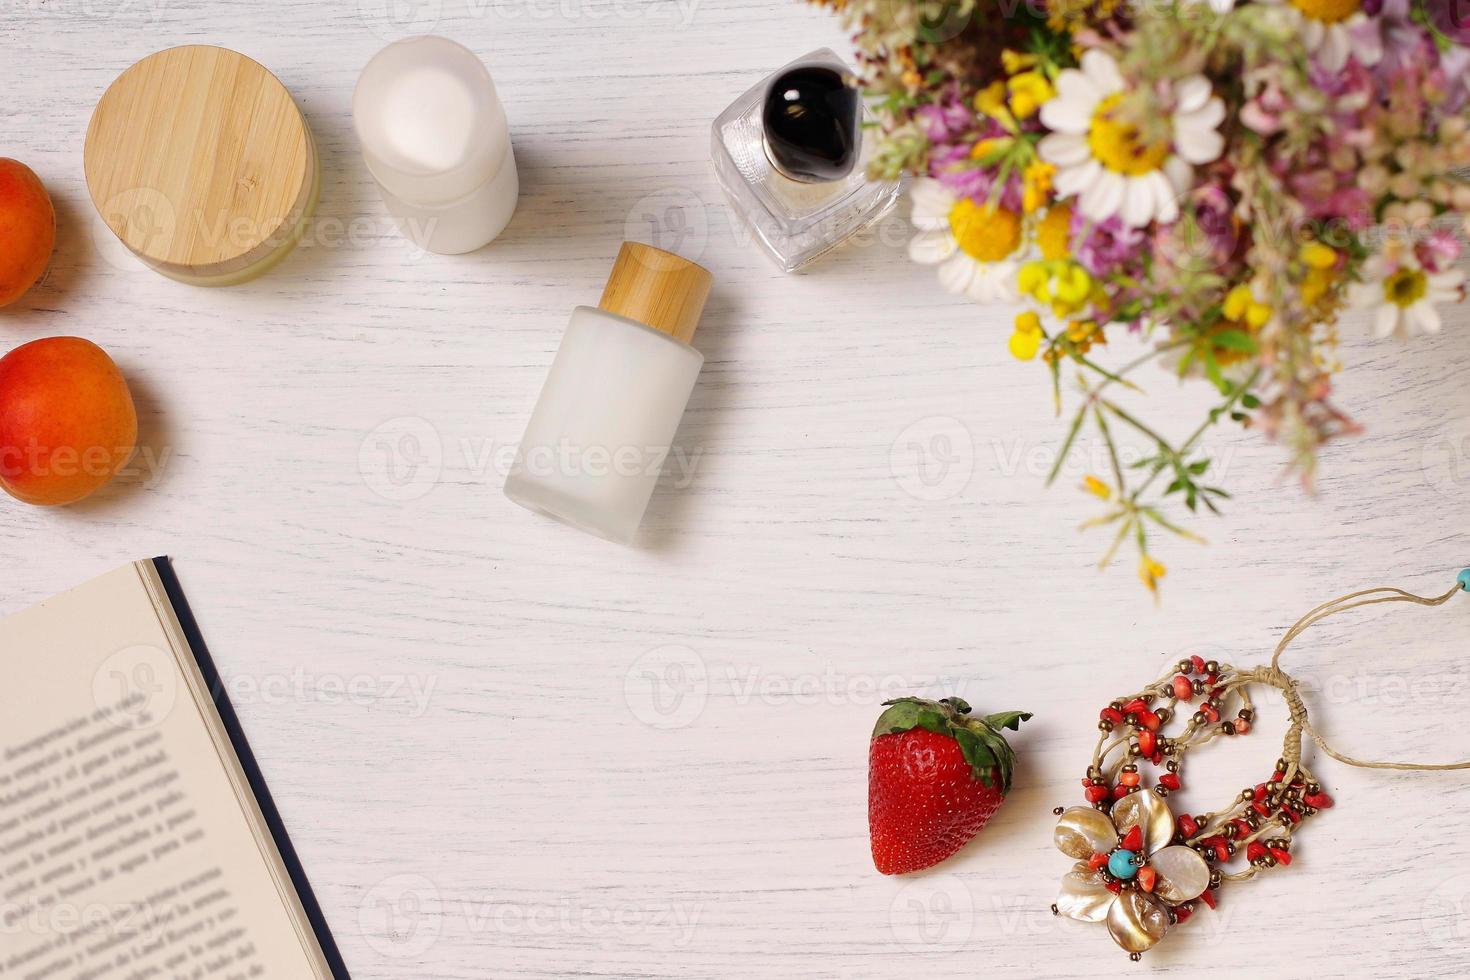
{"points": [[618, 386], [790, 154], [435, 138]]}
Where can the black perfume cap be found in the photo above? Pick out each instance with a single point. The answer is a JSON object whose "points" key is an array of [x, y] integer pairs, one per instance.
{"points": [[811, 122]]}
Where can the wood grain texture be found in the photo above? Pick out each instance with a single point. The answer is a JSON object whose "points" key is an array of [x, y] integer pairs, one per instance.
{"points": [[506, 749], [199, 160]]}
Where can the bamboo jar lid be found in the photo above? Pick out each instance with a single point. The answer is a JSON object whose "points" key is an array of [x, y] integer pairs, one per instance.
{"points": [[200, 162], [657, 288]]}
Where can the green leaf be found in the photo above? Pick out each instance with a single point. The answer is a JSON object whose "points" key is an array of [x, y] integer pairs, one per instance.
{"points": [[1066, 446], [1008, 719], [1237, 340]]}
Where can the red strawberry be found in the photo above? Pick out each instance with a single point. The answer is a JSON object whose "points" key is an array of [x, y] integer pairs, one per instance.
{"points": [[935, 778]]}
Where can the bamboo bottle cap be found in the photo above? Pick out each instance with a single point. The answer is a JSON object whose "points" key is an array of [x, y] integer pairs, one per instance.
{"points": [[657, 288], [199, 161]]}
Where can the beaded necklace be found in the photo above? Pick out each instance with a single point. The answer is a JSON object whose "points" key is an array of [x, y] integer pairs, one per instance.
{"points": [[1143, 870]]}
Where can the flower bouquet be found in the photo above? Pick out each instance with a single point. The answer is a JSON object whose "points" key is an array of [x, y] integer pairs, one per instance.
{"points": [[1221, 179]]}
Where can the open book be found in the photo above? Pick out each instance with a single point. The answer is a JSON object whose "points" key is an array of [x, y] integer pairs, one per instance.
{"points": [[137, 838]]}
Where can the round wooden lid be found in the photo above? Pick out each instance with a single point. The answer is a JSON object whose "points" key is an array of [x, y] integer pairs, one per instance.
{"points": [[657, 288], [198, 159]]}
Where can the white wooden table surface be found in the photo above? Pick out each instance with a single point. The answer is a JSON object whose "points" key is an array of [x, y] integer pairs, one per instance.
{"points": [[506, 749]]}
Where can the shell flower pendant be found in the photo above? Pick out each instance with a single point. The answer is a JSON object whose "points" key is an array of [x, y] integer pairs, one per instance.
{"points": [[1129, 872]]}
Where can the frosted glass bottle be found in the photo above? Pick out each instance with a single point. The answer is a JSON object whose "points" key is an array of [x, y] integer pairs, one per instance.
{"points": [[618, 386], [435, 138]]}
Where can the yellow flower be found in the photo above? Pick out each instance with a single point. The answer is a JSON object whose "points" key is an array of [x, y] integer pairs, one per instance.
{"points": [[1097, 487], [1150, 571], [1317, 284], [1071, 288], [1029, 91], [991, 100], [1032, 281], [1241, 307], [985, 148], [1014, 62], [1026, 341], [1036, 185], [1318, 256], [1024, 346], [984, 232], [1321, 277], [1054, 233]]}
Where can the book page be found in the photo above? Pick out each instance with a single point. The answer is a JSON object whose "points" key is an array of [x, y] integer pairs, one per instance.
{"points": [[125, 849]]}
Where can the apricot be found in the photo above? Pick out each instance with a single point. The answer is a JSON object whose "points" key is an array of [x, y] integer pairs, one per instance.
{"points": [[67, 421], [27, 229]]}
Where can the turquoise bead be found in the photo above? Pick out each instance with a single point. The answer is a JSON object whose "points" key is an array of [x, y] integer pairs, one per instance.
{"points": [[1464, 580], [1121, 864]]}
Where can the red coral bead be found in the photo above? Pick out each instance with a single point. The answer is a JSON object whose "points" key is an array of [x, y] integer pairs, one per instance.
{"points": [[1320, 801], [1209, 897], [1147, 878], [1133, 840], [1242, 828], [1157, 758], [1134, 707], [1097, 861], [1209, 711], [1114, 887], [1148, 742], [1183, 689], [1111, 714], [1148, 720], [1182, 913], [1188, 824], [1261, 791], [1255, 850], [1120, 791], [1170, 780], [1198, 662], [1261, 808], [1096, 794], [1282, 857]]}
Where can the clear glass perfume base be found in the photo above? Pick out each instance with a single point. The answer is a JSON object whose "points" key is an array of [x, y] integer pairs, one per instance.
{"points": [[795, 223]]}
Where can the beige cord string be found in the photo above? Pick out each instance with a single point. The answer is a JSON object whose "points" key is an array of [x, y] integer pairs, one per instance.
{"points": [[1279, 679]]}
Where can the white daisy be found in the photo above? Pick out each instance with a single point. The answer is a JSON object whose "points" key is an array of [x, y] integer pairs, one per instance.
{"points": [[1403, 295], [1105, 161], [1336, 30], [974, 245]]}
